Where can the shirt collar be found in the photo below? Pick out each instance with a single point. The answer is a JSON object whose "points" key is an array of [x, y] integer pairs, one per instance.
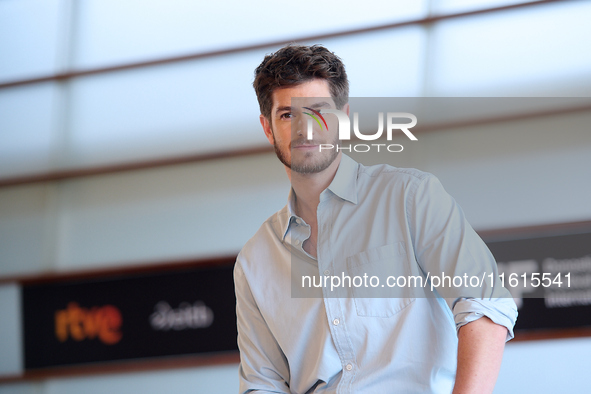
{"points": [[286, 215], [344, 185]]}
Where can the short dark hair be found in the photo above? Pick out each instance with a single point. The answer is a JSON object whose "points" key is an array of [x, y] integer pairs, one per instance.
{"points": [[295, 64]]}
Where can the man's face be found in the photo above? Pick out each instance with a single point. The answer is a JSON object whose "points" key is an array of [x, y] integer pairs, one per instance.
{"points": [[287, 128]]}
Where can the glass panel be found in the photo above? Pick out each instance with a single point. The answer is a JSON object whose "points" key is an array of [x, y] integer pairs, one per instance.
{"points": [[454, 6], [384, 63], [28, 38], [26, 138], [538, 51], [114, 31], [190, 107]]}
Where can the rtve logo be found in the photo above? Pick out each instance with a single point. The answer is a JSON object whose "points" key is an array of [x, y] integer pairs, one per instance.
{"points": [[83, 323], [345, 129]]}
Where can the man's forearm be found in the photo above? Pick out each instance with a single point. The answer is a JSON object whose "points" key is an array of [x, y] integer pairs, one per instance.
{"points": [[480, 352]]}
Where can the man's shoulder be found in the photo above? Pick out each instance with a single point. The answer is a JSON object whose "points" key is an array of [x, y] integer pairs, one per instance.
{"points": [[266, 237]]}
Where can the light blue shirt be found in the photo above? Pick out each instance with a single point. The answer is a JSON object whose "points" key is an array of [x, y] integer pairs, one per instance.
{"points": [[371, 220]]}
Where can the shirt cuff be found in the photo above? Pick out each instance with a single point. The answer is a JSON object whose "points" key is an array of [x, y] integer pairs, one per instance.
{"points": [[501, 311]]}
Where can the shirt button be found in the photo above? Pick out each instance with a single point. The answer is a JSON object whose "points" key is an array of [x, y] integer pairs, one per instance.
{"points": [[296, 242], [349, 367], [326, 272], [336, 322]]}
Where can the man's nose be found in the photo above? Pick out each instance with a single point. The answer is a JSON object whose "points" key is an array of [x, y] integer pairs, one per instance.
{"points": [[298, 126]]}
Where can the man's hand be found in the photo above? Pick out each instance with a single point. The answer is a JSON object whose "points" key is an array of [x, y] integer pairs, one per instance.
{"points": [[480, 352]]}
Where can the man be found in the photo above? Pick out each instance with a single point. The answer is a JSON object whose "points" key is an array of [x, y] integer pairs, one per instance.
{"points": [[345, 218]]}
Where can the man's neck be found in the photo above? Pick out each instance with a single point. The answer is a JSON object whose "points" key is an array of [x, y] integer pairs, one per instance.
{"points": [[308, 187]]}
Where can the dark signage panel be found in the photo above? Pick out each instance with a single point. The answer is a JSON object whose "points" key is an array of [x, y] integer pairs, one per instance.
{"points": [[565, 258], [192, 311], [129, 317]]}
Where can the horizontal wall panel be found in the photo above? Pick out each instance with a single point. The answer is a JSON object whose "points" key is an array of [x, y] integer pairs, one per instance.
{"points": [[508, 174], [112, 32], [186, 211], [541, 51], [218, 379], [26, 229]]}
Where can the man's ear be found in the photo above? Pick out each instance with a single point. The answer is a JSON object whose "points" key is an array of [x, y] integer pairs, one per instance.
{"points": [[267, 129], [346, 109]]}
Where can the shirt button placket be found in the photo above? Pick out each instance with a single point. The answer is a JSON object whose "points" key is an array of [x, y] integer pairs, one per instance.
{"points": [[338, 330]]}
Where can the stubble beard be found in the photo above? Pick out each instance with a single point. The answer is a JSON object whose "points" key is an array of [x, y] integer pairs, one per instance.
{"points": [[307, 167]]}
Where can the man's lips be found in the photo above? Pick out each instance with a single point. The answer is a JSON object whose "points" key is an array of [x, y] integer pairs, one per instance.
{"points": [[305, 145]]}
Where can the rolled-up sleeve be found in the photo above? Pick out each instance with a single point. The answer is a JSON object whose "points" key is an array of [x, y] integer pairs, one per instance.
{"points": [[263, 366], [502, 311], [446, 245]]}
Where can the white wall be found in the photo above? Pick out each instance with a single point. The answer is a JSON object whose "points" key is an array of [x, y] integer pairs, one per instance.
{"points": [[552, 366]]}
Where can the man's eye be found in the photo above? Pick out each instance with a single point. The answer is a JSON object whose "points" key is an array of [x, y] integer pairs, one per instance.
{"points": [[286, 115]]}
